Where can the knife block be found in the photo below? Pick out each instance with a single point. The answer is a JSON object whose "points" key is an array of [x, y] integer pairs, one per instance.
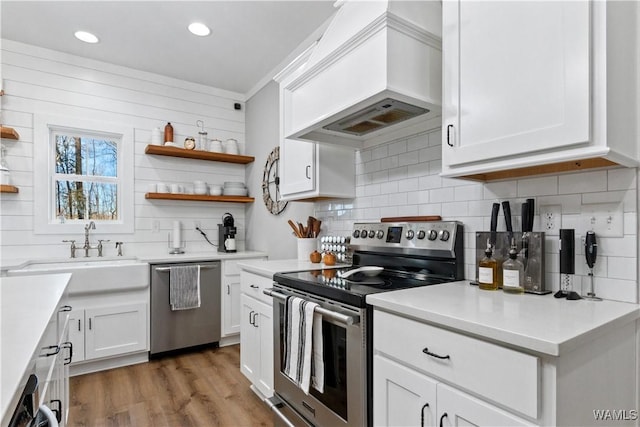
{"points": [[530, 248]]}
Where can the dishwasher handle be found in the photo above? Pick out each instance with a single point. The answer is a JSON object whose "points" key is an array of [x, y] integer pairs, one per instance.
{"points": [[202, 267]]}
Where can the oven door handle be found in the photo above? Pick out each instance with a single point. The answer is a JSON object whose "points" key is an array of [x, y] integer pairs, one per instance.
{"points": [[274, 404], [334, 315]]}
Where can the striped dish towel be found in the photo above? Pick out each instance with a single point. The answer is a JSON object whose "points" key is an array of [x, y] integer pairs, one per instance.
{"points": [[184, 287], [303, 330]]}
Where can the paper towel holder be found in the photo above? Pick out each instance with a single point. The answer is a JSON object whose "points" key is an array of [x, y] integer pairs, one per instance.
{"points": [[173, 250]]}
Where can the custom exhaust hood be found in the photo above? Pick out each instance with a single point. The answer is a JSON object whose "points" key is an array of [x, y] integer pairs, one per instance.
{"points": [[375, 75]]}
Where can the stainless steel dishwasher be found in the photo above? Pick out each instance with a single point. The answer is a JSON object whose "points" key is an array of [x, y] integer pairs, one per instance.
{"points": [[175, 330]]}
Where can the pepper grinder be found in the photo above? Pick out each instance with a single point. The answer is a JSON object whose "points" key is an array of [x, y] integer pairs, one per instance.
{"points": [[591, 252]]}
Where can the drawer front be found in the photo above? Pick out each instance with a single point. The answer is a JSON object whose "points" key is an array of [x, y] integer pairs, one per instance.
{"points": [[253, 285], [505, 376], [230, 268]]}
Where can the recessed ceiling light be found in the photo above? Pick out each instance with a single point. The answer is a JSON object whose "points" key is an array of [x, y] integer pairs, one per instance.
{"points": [[199, 29], [86, 37]]}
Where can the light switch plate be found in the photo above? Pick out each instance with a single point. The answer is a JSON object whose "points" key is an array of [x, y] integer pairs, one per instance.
{"points": [[605, 219]]}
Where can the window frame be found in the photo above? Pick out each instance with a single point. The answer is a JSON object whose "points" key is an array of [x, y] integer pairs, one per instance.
{"points": [[45, 175]]}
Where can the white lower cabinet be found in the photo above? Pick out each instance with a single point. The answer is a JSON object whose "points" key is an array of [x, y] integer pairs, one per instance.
{"points": [[405, 397], [256, 332], [230, 298], [108, 331], [256, 344]]}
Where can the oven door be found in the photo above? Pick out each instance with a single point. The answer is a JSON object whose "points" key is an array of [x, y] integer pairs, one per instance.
{"points": [[343, 402]]}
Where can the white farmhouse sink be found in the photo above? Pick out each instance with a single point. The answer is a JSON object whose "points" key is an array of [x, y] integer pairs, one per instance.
{"points": [[92, 275]]}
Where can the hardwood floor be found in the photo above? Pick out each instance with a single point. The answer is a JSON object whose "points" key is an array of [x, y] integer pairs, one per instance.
{"points": [[204, 388]]}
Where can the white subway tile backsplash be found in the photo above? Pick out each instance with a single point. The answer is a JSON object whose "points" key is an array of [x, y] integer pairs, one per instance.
{"points": [[417, 189], [538, 186], [584, 182]]}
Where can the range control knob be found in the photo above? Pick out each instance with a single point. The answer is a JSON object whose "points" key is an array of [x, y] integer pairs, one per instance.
{"points": [[410, 234], [356, 234], [433, 234], [421, 234], [363, 234], [380, 234], [444, 235], [372, 234]]}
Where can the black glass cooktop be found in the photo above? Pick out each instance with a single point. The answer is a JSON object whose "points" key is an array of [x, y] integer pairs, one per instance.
{"points": [[327, 283]]}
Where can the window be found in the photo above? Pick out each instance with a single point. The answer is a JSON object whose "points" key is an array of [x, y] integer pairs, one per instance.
{"points": [[86, 173], [86, 176]]}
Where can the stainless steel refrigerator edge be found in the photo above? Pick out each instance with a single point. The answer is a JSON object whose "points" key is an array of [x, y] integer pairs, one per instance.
{"points": [[174, 330]]}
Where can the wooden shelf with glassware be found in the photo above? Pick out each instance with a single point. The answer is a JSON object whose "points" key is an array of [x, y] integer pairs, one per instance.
{"points": [[199, 198], [162, 150]]}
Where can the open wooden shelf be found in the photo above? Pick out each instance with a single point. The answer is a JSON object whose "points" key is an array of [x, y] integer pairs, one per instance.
{"points": [[8, 133], [199, 198], [162, 150], [8, 189]]}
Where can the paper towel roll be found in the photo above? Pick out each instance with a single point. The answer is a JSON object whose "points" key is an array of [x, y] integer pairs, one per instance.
{"points": [[177, 239]]}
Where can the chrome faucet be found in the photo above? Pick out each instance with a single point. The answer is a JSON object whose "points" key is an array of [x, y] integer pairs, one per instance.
{"points": [[87, 245], [119, 248]]}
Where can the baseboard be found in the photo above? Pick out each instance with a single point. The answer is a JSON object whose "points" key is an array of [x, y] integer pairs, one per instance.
{"points": [[90, 366], [230, 340]]}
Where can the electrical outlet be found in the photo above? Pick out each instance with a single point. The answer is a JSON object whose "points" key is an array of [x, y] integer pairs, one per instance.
{"points": [[155, 226], [551, 218], [196, 224]]}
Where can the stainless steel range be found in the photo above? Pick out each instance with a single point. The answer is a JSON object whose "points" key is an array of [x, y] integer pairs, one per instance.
{"points": [[411, 254]]}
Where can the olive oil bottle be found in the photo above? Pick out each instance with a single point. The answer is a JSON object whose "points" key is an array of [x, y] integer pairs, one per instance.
{"points": [[488, 271], [513, 273]]}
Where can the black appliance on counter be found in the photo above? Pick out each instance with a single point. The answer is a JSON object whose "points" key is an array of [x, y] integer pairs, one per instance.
{"points": [[412, 254], [227, 234]]}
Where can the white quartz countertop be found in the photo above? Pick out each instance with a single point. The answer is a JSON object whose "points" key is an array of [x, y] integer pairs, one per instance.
{"points": [[16, 264], [269, 268], [27, 303], [540, 323]]}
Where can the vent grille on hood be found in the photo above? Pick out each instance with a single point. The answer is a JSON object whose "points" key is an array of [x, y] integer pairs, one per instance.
{"points": [[372, 118]]}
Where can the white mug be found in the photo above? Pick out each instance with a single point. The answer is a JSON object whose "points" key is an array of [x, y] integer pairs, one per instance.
{"points": [[231, 146], [176, 188], [230, 244], [162, 188], [215, 145]]}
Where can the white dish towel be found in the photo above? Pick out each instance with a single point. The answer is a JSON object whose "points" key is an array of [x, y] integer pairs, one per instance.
{"points": [[184, 287], [303, 338]]}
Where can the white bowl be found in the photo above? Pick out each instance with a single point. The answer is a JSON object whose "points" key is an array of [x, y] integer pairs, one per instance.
{"points": [[215, 191], [235, 191], [200, 191], [231, 184]]}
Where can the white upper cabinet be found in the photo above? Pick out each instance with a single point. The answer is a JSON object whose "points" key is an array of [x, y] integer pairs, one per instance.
{"points": [[531, 87], [308, 170]]}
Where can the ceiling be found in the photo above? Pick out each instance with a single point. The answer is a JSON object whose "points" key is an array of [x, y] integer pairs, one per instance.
{"points": [[249, 39]]}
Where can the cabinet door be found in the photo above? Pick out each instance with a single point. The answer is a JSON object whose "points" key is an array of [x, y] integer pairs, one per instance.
{"points": [[231, 306], [297, 167], [401, 396], [264, 321], [249, 339], [115, 330], [459, 409], [516, 78], [76, 334]]}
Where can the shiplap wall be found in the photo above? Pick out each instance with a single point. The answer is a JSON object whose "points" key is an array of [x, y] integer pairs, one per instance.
{"points": [[401, 178], [38, 80]]}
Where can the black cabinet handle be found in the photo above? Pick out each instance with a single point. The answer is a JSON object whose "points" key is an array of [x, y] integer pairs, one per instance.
{"points": [[89, 323], [68, 345], [65, 308], [250, 319], [307, 170], [442, 419], [253, 286], [426, 405], [449, 143], [254, 319], [58, 410], [437, 356], [53, 350]]}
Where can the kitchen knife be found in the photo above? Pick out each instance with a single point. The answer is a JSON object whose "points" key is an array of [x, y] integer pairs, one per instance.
{"points": [[525, 217], [531, 205], [494, 224], [506, 208]]}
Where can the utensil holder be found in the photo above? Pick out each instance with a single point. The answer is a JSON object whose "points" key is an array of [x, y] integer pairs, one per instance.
{"points": [[305, 247], [530, 246]]}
